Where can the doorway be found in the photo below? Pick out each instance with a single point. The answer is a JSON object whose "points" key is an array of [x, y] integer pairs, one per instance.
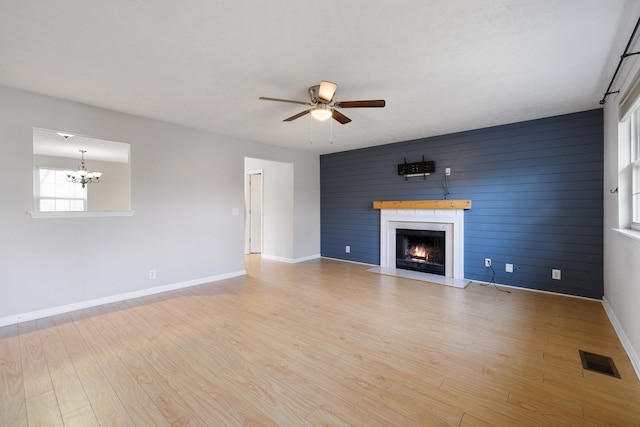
{"points": [[274, 227]]}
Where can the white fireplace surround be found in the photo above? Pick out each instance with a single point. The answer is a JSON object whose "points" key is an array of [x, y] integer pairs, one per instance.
{"points": [[449, 220]]}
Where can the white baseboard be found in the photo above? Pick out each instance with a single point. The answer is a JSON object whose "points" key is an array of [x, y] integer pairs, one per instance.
{"points": [[631, 352], [306, 258], [277, 258], [480, 282], [290, 260], [351, 262], [39, 314]]}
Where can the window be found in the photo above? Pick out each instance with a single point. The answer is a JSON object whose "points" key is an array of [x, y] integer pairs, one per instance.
{"points": [[54, 193], [54, 197], [635, 169]]}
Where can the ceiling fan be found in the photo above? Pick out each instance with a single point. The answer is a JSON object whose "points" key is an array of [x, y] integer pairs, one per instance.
{"points": [[320, 97]]}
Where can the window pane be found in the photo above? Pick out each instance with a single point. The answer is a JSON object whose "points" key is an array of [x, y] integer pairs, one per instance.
{"points": [[62, 205], [635, 136], [636, 192], [76, 205], [635, 171], [58, 194], [47, 205], [47, 189]]}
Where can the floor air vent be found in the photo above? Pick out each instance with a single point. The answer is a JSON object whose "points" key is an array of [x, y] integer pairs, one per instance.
{"points": [[598, 363]]}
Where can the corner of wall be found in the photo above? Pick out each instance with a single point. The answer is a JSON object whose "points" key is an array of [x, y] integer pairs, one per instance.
{"points": [[626, 343]]}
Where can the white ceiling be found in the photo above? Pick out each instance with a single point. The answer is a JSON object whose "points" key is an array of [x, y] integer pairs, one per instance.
{"points": [[442, 65], [48, 142]]}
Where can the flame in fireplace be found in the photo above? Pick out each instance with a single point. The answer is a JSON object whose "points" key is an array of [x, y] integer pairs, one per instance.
{"points": [[418, 253]]}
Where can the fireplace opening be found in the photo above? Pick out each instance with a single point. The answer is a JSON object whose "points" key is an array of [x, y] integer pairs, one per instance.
{"points": [[421, 250]]}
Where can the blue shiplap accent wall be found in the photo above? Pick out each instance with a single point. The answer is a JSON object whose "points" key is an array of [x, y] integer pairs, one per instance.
{"points": [[536, 189]]}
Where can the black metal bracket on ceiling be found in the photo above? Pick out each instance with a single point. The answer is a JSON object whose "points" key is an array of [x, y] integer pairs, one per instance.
{"points": [[624, 56]]}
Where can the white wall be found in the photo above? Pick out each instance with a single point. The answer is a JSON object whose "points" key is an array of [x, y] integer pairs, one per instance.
{"points": [[621, 253], [182, 225], [306, 212], [113, 193]]}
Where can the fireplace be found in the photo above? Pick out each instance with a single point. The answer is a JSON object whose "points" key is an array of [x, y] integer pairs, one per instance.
{"points": [[421, 250], [442, 232]]}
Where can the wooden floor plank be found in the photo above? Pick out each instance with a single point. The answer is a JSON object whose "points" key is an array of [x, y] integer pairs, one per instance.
{"points": [[241, 385], [123, 382], [13, 409], [198, 383], [318, 343], [172, 406], [43, 410], [68, 388], [104, 400], [83, 417], [147, 414], [306, 349], [320, 417], [35, 371]]}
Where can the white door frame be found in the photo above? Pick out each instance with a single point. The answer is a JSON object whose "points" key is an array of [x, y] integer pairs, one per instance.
{"points": [[248, 210]]}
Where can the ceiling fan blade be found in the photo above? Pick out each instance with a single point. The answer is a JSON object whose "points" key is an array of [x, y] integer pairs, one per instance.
{"points": [[339, 117], [289, 119], [361, 104], [265, 98], [327, 90]]}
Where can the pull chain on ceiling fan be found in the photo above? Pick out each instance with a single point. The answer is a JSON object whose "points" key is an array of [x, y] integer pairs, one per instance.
{"points": [[320, 97]]}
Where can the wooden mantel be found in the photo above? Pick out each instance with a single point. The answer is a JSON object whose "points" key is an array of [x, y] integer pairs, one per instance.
{"points": [[422, 204]]}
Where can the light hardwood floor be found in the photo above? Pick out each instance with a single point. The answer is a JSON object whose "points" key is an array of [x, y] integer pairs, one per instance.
{"points": [[314, 344]]}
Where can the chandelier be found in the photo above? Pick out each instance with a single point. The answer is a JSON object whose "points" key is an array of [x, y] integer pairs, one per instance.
{"points": [[82, 175]]}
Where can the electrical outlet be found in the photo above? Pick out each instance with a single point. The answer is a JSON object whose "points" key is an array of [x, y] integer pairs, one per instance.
{"points": [[347, 249], [487, 262], [152, 274], [447, 171], [508, 268], [556, 274]]}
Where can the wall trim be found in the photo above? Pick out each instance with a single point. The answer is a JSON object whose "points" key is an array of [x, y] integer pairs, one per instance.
{"points": [[82, 214], [626, 343], [480, 282], [47, 312], [349, 261], [290, 260], [306, 258], [631, 234]]}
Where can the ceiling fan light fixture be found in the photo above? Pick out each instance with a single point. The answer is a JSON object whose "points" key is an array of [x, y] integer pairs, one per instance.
{"points": [[327, 90], [321, 113], [322, 105]]}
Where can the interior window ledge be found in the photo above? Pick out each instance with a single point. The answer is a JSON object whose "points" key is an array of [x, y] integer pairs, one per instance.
{"points": [[90, 214], [632, 234]]}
